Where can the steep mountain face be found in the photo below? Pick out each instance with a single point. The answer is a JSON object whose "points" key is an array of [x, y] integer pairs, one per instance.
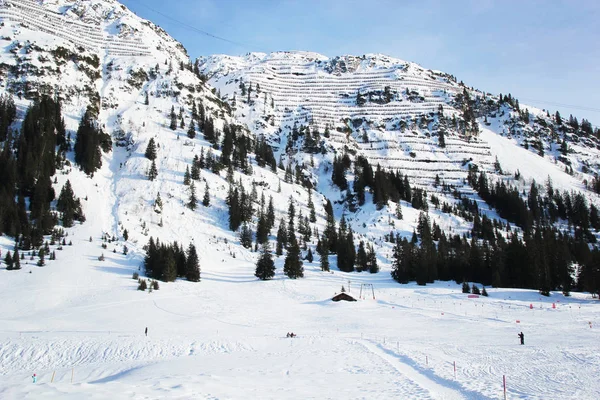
{"points": [[387, 148], [392, 112], [138, 84]]}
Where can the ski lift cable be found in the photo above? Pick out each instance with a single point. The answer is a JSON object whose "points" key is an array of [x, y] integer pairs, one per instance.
{"points": [[193, 28], [575, 107], [584, 108]]}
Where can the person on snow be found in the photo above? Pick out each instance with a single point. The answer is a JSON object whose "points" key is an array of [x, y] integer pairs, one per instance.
{"points": [[34, 377], [522, 337]]}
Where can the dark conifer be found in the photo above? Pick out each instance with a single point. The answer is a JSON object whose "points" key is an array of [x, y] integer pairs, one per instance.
{"points": [[191, 133], [309, 256], [8, 260], [206, 198], [323, 251], [186, 176], [169, 273], [265, 267], [292, 266], [193, 200], [173, 117], [246, 236], [361, 257], [192, 270], [153, 171], [466, 288], [150, 153], [372, 265], [90, 140]]}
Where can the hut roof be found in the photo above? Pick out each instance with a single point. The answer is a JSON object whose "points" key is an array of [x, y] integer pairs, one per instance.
{"points": [[343, 296]]}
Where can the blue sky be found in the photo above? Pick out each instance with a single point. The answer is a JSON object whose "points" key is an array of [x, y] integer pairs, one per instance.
{"points": [[540, 51]]}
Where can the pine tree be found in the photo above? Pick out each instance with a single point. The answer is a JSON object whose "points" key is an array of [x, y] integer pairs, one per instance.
{"points": [[150, 153], [90, 140], [158, 204], [401, 259], [262, 229], [311, 207], [192, 266], [323, 251], [186, 176], [153, 171], [466, 288], [173, 116], [8, 260], [372, 265], [195, 175], [398, 210], [309, 256], [206, 198], [442, 139], [265, 267], [143, 285], [484, 292], [361, 257], [246, 236], [16, 259], [282, 238], [292, 266], [169, 273], [191, 133], [69, 206], [330, 234], [41, 262], [270, 214], [193, 201]]}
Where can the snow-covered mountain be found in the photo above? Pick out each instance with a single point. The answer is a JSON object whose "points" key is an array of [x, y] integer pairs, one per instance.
{"points": [[397, 120], [81, 315]]}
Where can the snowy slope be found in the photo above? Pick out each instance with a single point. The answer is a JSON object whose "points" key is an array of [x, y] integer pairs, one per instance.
{"points": [[225, 337]]}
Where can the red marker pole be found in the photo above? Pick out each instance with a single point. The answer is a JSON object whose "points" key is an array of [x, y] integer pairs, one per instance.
{"points": [[504, 382], [454, 369]]}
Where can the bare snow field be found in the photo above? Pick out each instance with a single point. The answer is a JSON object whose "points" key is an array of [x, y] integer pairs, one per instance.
{"points": [[79, 323]]}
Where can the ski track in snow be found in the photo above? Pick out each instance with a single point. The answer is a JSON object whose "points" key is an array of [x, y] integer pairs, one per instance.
{"points": [[435, 387]]}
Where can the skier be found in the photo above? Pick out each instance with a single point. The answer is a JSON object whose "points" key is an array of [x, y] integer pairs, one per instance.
{"points": [[34, 377], [522, 337], [146, 332]]}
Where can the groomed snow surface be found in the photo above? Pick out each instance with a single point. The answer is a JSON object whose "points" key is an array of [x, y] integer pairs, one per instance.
{"points": [[81, 322]]}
